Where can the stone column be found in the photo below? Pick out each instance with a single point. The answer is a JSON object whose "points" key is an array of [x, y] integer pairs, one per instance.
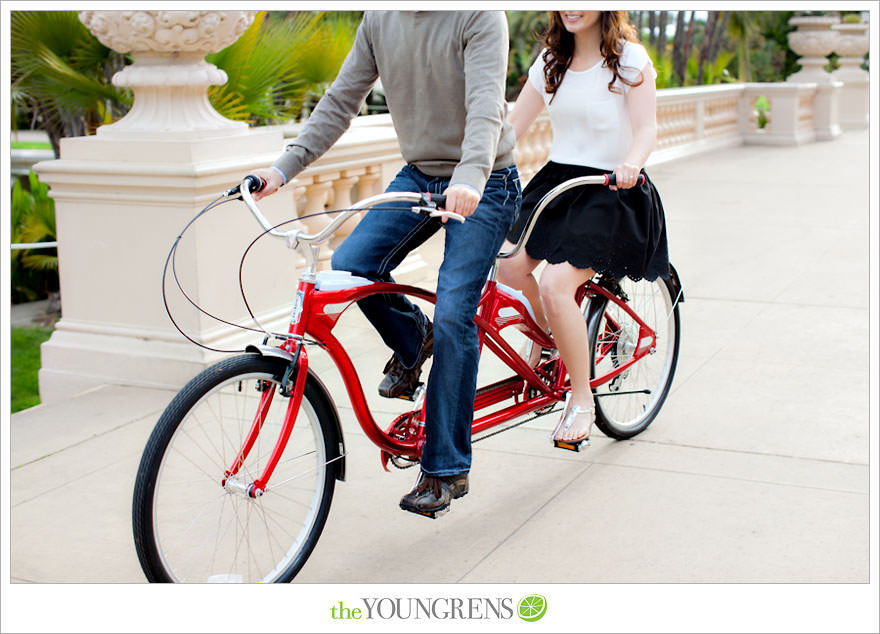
{"points": [[852, 45], [124, 195], [814, 41]]}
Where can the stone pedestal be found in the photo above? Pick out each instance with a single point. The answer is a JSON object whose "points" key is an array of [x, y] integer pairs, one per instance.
{"points": [[815, 40], [120, 205], [124, 195], [826, 110], [852, 44]]}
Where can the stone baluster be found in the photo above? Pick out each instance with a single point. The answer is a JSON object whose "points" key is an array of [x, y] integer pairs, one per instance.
{"points": [[852, 44], [312, 194], [370, 182], [814, 40], [341, 199]]}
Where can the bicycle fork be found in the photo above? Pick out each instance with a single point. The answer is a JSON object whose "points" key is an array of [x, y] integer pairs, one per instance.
{"points": [[297, 371]]}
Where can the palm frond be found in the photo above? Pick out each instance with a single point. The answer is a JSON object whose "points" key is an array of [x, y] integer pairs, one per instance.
{"points": [[40, 261], [272, 66]]}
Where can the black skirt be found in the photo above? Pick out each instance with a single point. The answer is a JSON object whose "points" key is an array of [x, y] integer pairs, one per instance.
{"points": [[619, 233]]}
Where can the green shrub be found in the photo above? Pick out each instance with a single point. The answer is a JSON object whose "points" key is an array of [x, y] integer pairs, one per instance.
{"points": [[762, 107], [25, 365], [33, 272]]}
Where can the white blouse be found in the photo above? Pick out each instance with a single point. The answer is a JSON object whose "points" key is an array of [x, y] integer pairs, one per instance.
{"points": [[590, 124]]}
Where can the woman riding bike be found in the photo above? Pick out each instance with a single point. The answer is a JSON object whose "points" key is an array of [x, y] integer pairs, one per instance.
{"points": [[597, 83]]}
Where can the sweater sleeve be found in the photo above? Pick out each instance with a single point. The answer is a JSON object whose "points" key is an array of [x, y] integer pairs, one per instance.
{"points": [[339, 105], [485, 69]]}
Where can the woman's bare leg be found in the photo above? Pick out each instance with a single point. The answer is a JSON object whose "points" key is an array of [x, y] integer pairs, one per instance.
{"points": [[516, 272], [558, 285]]}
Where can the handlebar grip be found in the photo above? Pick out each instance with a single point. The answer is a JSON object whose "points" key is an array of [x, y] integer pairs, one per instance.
{"points": [[438, 199], [255, 183], [611, 179]]}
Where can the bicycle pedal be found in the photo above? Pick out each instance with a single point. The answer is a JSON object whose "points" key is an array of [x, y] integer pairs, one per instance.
{"points": [[571, 446], [411, 396], [431, 514]]}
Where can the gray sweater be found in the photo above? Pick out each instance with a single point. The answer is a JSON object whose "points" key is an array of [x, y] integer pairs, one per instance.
{"points": [[443, 73]]}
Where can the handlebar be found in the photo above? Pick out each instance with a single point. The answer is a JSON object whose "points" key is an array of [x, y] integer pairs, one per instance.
{"points": [[423, 203], [599, 179], [611, 180]]}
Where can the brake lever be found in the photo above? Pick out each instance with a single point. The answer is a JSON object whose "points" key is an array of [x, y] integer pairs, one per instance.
{"points": [[438, 213]]}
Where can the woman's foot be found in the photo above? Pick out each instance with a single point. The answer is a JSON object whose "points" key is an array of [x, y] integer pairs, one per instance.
{"points": [[576, 423]]}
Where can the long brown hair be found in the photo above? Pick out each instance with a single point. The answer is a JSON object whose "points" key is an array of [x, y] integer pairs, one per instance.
{"points": [[559, 45]]}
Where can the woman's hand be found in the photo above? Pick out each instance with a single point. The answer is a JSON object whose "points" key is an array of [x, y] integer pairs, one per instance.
{"points": [[627, 176], [273, 182]]}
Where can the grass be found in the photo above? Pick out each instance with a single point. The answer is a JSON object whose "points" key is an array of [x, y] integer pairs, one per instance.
{"points": [[25, 363], [31, 145]]}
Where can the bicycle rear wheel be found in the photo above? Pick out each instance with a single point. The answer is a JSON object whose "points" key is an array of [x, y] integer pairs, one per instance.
{"points": [[627, 404], [193, 524]]}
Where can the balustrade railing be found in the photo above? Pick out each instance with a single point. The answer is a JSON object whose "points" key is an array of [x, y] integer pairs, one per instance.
{"points": [[689, 121]]}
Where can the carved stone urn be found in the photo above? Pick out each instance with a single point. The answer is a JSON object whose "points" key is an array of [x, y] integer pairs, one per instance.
{"points": [[814, 41], [852, 44], [169, 76]]}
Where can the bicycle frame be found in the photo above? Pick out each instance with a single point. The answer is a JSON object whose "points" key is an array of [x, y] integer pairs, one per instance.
{"points": [[316, 312], [320, 312]]}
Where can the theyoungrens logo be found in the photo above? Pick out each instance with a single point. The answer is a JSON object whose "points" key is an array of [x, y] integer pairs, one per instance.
{"points": [[530, 608]]}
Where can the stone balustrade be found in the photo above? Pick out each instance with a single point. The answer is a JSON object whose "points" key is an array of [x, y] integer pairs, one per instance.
{"points": [[689, 121]]}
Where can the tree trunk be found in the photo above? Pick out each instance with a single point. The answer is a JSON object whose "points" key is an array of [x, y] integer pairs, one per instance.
{"points": [[708, 34], [652, 22], [715, 45], [688, 45], [661, 34], [679, 55]]}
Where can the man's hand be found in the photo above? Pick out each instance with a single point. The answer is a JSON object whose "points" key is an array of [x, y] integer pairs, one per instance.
{"points": [[273, 182], [461, 199]]}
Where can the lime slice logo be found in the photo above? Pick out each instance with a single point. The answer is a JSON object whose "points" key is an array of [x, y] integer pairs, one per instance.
{"points": [[532, 608]]}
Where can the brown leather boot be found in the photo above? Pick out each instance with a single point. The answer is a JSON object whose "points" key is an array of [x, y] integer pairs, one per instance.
{"points": [[400, 382], [432, 495]]}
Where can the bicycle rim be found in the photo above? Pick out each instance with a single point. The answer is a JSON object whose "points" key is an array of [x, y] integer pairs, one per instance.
{"points": [[205, 532], [627, 404]]}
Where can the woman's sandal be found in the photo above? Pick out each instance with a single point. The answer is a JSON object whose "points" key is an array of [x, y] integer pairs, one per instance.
{"points": [[569, 415]]}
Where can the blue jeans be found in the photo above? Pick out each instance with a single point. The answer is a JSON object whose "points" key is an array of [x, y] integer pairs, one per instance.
{"points": [[378, 244]]}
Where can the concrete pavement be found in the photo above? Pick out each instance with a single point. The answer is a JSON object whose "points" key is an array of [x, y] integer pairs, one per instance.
{"points": [[756, 470]]}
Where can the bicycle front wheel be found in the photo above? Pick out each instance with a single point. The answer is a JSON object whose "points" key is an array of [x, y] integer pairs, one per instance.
{"points": [[191, 522], [627, 404]]}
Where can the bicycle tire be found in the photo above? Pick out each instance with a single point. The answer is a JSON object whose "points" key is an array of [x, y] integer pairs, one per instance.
{"points": [[180, 504], [623, 409]]}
